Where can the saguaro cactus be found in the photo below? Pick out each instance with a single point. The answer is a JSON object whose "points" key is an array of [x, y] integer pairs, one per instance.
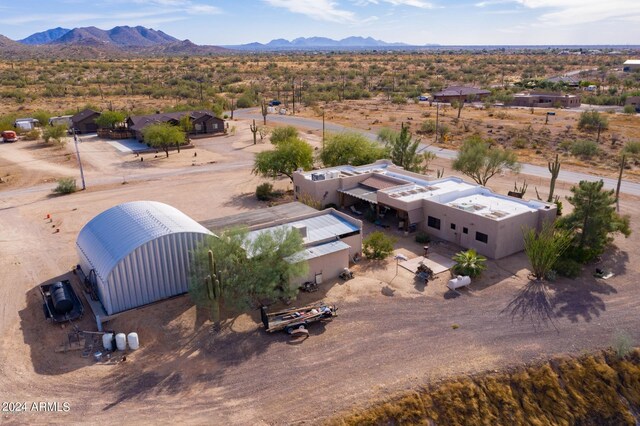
{"points": [[554, 169], [254, 130], [214, 288], [263, 107]]}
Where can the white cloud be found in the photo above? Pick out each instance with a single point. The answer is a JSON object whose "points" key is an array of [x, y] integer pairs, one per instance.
{"points": [[414, 3], [322, 10], [576, 12]]}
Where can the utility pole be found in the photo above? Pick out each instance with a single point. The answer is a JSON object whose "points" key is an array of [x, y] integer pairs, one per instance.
{"points": [[437, 119], [293, 92], [323, 129], [75, 140]]}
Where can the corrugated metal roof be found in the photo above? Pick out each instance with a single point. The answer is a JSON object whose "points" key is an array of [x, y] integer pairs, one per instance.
{"points": [[260, 216], [317, 251], [114, 233], [319, 228]]}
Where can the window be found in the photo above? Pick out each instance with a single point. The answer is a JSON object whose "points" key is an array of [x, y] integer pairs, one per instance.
{"points": [[433, 222], [483, 238], [465, 230], [453, 226]]}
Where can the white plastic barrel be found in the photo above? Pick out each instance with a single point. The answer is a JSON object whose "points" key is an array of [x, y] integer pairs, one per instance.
{"points": [[121, 341], [107, 341], [132, 340]]}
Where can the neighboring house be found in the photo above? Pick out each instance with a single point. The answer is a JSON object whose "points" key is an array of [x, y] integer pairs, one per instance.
{"points": [[26, 123], [203, 122], [331, 239], [631, 65], [85, 121], [545, 100], [634, 101], [61, 119], [451, 209], [568, 80], [456, 93]]}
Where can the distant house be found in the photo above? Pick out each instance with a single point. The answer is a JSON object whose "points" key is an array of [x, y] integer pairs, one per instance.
{"points": [[26, 123], [545, 100], [567, 80], [634, 101], [85, 121], [203, 122], [631, 65], [457, 93]]}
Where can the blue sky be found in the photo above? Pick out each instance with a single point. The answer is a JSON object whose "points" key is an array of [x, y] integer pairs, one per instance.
{"points": [[448, 22]]}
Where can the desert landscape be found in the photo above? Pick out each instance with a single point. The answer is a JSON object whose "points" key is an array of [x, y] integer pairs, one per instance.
{"points": [[392, 333]]}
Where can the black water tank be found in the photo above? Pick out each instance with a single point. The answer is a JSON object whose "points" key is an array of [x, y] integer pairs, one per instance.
{"points": [[61, 298]]}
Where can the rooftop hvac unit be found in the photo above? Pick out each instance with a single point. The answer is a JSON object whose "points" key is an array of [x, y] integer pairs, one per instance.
{"points": [[317, 176], [302, 229]]}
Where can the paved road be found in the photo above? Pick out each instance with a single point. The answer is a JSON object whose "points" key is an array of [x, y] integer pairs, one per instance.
{"points": [[627, 187]]}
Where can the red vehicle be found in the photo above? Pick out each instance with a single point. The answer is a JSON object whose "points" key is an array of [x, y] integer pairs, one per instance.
{"points": [[9, 136]]}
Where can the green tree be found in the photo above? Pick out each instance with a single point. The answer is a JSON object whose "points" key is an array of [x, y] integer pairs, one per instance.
{"points": [[54, 133], [109, 119], [289, 155], [224, 269], [544, 247], [594, 220], [280, 134], [164, 136], [186, 124], [403, 149], [478, 160], [350, 148], [469, 263], [378, 245]]}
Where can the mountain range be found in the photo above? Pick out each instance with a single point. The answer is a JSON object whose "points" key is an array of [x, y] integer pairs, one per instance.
{"points": [[92, 42], [321, 43]]}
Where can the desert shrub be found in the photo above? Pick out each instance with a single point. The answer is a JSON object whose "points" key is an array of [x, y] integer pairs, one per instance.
{"points": [[54, 133], [32, 135], [443, 131], [399, 99], [631, 148], [592, 120], [280, 134], [264, 191], [428, 127], [378, 245], [629, 109], [245, 101], [584, 149], [65, 186], [520, 143], [622, 344], [568, 267], [558, 204], [423, 238]]}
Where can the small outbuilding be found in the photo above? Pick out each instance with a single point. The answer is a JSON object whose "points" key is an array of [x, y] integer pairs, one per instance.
{"points": [[137, 253], [631, 65], [26, 123], [85, 121]]}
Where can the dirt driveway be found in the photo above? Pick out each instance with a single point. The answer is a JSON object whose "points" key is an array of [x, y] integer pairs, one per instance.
{"points": [[392, 333]]}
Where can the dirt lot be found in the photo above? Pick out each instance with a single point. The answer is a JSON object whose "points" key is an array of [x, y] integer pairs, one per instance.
{"points": [[392, 333]]}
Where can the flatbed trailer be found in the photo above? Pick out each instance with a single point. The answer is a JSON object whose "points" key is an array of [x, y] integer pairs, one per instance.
{"points": [[296, 320]]}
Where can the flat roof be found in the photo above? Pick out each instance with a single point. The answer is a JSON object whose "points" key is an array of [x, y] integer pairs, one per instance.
{"points": [[493, 206], [259, 217], [318, 251], [632, 62]]}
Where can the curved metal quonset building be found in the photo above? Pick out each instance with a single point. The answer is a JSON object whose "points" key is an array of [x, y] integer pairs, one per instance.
{"points": [[139, 252]]}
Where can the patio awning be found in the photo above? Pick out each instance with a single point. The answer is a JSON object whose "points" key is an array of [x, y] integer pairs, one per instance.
{"points": [[361, 193]]}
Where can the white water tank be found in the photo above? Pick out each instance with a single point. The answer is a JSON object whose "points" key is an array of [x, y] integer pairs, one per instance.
{"points": [[459, 281], [132, 340], [121, 341], [107, 341]]}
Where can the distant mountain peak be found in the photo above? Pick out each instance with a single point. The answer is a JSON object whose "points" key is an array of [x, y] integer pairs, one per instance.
{"points": [[317, 42], [45, 37]]}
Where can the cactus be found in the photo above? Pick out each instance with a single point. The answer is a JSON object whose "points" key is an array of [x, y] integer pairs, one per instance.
{"points": [[212, 284], [264, 113], [439, 173], [254, 130], [522, 189], [554, 169]]}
